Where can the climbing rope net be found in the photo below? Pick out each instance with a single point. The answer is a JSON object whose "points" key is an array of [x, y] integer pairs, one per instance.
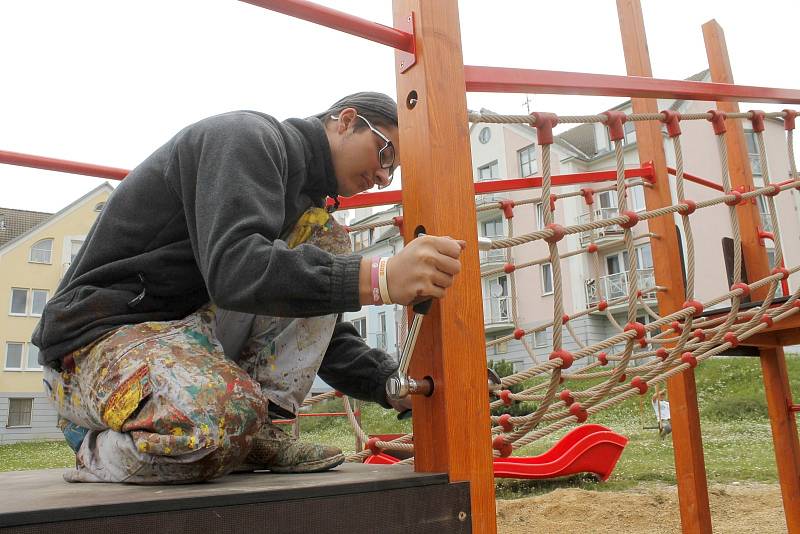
{"points": [[656, 351]]}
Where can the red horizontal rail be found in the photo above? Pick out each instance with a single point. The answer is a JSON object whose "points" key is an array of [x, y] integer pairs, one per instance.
{"points": [[507, 80], [62, 165], [696, 179], [339, 20]]}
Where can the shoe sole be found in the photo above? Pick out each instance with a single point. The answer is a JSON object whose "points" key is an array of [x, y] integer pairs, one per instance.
{"points": [[309, 467]]}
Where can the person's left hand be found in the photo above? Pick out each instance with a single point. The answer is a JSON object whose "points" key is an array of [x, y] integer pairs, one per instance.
{"points": [[401, 405]]}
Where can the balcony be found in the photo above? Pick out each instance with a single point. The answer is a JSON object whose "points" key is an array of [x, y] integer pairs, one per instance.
{"points": [[616, 286], [497, 312], [492, 256], [609, 232]]}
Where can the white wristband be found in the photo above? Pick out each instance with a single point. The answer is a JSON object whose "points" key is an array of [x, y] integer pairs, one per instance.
{"points": [[383, 273]]}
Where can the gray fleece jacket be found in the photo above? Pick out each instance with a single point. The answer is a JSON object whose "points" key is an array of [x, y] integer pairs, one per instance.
{"points": [[201, 220]]}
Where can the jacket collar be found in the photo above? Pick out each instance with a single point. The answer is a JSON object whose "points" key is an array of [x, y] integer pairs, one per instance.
{"points": [[319, 163]]}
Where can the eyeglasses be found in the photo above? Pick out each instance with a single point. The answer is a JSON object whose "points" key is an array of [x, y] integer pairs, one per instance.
{"points": [[386, 154]]}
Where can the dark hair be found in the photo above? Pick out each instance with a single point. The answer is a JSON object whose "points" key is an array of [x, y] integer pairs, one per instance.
{"points": [[377, 108]]}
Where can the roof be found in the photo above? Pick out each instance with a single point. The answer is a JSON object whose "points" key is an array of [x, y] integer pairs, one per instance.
{"points": [[14, 223]]}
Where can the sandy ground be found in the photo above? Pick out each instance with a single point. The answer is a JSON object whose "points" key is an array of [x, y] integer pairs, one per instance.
{"points": [[735, 508]]}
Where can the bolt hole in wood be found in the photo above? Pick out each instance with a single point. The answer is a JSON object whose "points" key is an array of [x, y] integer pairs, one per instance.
{"points": [[411, 100]]}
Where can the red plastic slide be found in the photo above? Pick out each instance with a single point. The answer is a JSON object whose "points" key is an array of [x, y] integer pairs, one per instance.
{"points": [[585, 449]]}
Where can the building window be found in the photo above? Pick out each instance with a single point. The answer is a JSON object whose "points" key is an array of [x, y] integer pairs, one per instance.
{"points": [[485, 135], [527, 161], [14, 355], [490, 171], [381, 335], [630, 132], [637, 198], [38, 300], [539, 216], [764, 213], [361, 326], [33, 357], [547, 278], [752, 152], [540, 339], [492, 228], [19, 412], [501, 348], [99, 207], [41, 251], [16, 359], [19, 301], [362, 240], [74, 247]]}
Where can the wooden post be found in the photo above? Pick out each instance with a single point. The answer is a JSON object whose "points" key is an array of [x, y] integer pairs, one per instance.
{"points": [[773, 363], [451, 430], [687, 441]]}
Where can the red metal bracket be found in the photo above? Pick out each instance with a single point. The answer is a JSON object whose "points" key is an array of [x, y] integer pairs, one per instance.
{"points": [[408, 59], [757, 120], [718, 120], [614, 122], [673, 121], [544, 124], [788, 119]]}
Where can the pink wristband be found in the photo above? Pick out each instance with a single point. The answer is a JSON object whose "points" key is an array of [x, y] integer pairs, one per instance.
{"points": [[375, 263]]}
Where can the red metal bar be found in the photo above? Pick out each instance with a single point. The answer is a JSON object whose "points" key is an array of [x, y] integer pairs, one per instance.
{"points": [[506, 80], [339, 20], [696, 179], [62, 165]]}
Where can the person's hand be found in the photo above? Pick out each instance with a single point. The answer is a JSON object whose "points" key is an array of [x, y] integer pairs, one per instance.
{"points": [[401, 405], [423, 268]]}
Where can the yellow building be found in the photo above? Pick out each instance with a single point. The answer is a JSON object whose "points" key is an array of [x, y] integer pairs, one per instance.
{"points": [[35, 251]]}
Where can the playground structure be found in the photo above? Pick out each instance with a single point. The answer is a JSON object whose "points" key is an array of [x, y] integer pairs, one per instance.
{"points": [[437, 198]]}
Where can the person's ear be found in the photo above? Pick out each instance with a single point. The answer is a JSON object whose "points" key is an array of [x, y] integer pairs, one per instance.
{"points": [[346, 121]]}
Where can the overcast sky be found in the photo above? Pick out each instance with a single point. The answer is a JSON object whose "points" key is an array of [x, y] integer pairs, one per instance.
{"points": [[107, 81]]}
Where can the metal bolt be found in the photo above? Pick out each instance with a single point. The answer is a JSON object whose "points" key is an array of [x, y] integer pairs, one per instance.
{"points": [[462, 516], [402, 64]]}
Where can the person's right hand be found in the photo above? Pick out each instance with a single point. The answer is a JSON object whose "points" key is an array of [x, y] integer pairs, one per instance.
{"points": [[424, 268]]}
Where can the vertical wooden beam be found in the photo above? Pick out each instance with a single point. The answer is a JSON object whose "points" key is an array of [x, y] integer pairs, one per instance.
{"points": [[451, 430], [687, 441], [753, 252]]}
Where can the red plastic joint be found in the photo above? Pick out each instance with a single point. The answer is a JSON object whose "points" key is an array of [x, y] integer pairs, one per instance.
{"points": [[372, 445], [731, 338], [717, 119], [696, 304], [743, 287], [737, 198], [544, 123], [614, 122], [338, 394], [602, 305], [637, 382], [757, 120], [566, 358], [602, 357], [675, 325], [691, 207], [509, 268], [699, 334], [505, 422], [673, 121], [633, 219], [662, 354], [763, 234], [558, 233], [508, 208], [638, 328], [688, 357], [398, 221], [767, 320], [643, 343], [519, 333], [774, 190], [579, 411], [588, 195], [592, 247], [553, 199], [783, 271], [499, 444], [566, 397], [505, 396], [622, 378], [565, 318], [788, 119]]}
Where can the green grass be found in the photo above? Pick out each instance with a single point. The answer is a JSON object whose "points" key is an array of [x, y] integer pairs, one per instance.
{"points": [[736, 434]]}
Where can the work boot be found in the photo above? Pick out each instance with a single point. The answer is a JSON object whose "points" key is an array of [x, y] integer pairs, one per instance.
{"points": [[275, 450]]}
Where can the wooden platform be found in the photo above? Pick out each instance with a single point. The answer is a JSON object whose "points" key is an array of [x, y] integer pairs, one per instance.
{"points": [[354, 498]]}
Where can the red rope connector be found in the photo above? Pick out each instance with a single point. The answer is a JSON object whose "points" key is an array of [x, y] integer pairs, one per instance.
{"points": [[579, 411], [699, 334], [675, 325], [745, 289], [552, 202], [774, 190], [588, 195], [499, 444], [637, 382], [643, 343], [519, 333], [505, 422], [662, 354], [731, 338], [398, 221], [566, 358], [505, 396], [509, 268], [718, 120], [638, 328], [696, 304], [592, 247], [565, 318], [544, 124], [763, 234], [788, 119], [558, 233], [737, 198], [673, 121], [566, 397], [757, 120], [602, 357], [633, 219], [623, 377], [508, 208], [338, 394], [783, 271], [602, 305], [614, 122], [688, 357], [767, 320], [372, 445], [688, 206]]}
